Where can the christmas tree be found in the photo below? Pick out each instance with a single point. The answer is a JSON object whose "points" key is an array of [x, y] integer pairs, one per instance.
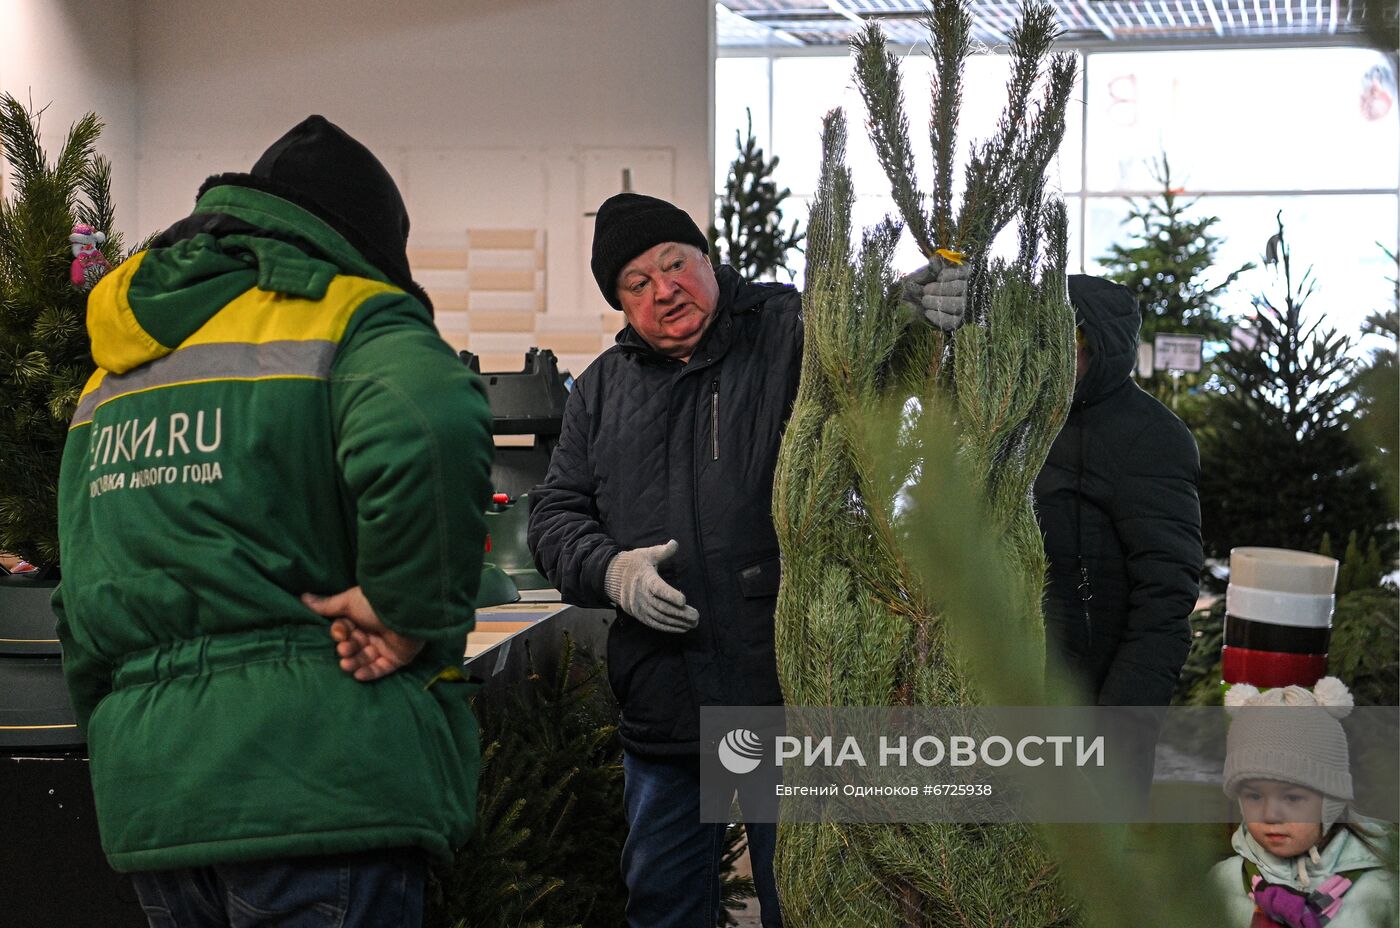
{"points": [[749, 235], [1358, 570], [857, 624], [913, 567], [1377, 385], [44, 354], [1165, 265], [549, 824], [1277, 465]]}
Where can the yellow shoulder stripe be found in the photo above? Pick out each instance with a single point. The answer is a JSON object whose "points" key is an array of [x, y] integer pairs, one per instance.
{"points": [[258, 316], [119, 343]]}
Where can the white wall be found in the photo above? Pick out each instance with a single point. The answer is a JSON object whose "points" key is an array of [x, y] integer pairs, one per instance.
{"points": [[76, 57], [489, 113]]}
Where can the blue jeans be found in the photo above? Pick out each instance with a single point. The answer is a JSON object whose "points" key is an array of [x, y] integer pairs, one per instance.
{"points": [[670, 861], [380, 888]]}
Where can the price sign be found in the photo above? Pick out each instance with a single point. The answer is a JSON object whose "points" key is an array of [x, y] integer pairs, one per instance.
{"points": [[1177, 353]]}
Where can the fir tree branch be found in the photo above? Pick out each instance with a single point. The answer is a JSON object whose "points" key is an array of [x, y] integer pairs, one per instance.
{"points": [[75, 159], [877, 76], [19, 139], [950, 25], [829, 225], [998, 164]]}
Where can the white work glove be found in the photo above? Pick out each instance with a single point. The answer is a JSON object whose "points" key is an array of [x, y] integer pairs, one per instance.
{"points": [[938, 292], [633, 583]]}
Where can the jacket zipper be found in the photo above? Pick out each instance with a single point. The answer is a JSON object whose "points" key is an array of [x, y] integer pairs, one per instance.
{"points": [[714, 421], [695, 501], [695, 484]]}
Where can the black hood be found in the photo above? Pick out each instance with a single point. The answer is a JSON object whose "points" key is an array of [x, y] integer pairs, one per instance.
{"points": [[1107, 313], [324, 170]]}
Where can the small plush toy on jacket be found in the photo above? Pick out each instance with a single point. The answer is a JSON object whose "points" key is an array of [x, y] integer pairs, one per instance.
{"points": [[1302, 859]]}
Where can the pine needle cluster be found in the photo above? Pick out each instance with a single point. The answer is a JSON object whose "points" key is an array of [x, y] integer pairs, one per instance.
{"points": [[862, 619], [44, 353]]}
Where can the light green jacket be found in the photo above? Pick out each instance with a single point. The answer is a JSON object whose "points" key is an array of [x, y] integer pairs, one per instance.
{"points": [[1369, 903]]}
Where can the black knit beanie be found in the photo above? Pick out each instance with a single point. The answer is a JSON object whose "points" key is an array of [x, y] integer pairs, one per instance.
{"points": [[321, 168], [627, 225]]}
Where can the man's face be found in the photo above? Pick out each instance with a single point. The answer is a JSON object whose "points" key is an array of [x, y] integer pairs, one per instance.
{"points": [[669, 294], [1082, 355]]}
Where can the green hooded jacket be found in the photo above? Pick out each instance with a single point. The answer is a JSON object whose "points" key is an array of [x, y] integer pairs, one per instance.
{"points": [[269, 417], [1370, 901]]}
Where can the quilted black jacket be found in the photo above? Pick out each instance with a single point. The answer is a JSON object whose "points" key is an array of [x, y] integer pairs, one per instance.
{"points": [[1119, 489], [654, 449]]}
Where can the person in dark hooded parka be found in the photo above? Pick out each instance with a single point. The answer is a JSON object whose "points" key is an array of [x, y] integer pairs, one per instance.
{"points": [[1117, 503]]}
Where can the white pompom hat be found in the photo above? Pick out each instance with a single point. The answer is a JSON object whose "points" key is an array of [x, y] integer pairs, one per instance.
{"points": [[1305, 745]]}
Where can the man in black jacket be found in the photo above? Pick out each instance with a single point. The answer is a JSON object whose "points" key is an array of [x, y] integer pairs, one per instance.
{"points": [[658, 500], [1117, 503]]}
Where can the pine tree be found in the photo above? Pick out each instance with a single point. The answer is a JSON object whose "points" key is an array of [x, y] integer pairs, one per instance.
{"points": [[1348, 568], [1357, 570], [1163, 267], [1377, 386], [1277, 465], [856, 624], [549, 824], [1363, 651], [44, 355], [1371, 573], [1165, 264], [913, 566], [750, 235], [735, 890]]}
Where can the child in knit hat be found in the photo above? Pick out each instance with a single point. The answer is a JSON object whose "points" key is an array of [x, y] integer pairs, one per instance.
{"points": [[1300, 860]]}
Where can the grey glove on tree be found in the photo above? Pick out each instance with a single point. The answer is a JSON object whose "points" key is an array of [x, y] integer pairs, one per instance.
{"points": [[938, 292], [633, 583]]}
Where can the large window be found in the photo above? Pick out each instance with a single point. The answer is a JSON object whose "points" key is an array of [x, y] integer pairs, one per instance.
{"points": [[1311, 132]]}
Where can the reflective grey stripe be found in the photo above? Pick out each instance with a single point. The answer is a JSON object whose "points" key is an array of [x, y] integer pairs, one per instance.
{"points": [[223, 361]]}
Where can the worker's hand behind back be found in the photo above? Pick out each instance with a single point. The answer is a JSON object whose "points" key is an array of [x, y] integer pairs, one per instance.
{"points": [[368, 649]]}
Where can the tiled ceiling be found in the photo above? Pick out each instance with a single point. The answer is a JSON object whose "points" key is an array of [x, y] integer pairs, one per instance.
{"points": [[793, 23]]}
